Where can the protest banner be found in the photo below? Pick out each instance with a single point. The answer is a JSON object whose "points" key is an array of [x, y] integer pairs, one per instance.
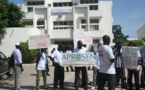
{"points": [[130, 57], [85, 37], [78, 59], [38, 41]]}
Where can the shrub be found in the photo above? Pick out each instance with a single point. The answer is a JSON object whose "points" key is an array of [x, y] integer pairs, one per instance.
{"points": [[28, 55], [138, 43]]}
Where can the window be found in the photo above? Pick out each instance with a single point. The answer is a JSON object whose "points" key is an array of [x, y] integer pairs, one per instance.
{"points": [[55, 23], [66, 23], [94, 27], [63, 25], [42, 2], [65, 4], [62, 4], [40, 22], [88, 1], [35, 3], [95, 41], [30, 22], [70, 22], [59, 4], [29, 3], [94, 21], [93, 7], [83, 26], [55, 4], [83, 21], [82, 1], [30, 9], [70, 4], [60, 23]]}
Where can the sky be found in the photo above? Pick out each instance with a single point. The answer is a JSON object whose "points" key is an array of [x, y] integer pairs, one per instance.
{"points": [[130, 14]]}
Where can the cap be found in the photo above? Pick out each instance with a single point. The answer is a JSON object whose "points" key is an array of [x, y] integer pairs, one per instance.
{"points": [[17, 44]]}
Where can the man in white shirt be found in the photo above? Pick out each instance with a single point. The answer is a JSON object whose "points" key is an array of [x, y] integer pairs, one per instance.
{"points": [[134, 71], [107, 69], [59, 69], [96, 68], [18, 65], [80, 49]]}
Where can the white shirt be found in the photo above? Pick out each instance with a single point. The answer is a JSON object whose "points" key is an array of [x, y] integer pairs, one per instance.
{"points": [[57, 55], [17, 56], [105, 54], [139, 55], [68, 51], [82, 50], [97, 59], [42, 62]]}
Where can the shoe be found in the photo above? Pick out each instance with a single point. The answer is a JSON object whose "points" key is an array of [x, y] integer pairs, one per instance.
{"points": [[48, 74], [93, 88]]}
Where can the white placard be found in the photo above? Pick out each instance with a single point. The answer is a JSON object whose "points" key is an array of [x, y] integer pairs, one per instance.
{"points": [[39, 41], [130, 57], [85, 37], [78, 59]]}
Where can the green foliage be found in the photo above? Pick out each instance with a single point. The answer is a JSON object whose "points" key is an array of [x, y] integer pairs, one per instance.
{"points": [[118, 35], [138, 43], [10, 16], [28, 55], [143, 39]]}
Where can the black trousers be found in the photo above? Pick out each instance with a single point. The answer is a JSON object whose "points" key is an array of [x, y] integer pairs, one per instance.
{"points": [[136, 77], [58, 76], [143, 77], [67, 68], [84, 77], [110, 78], [120, 74]]}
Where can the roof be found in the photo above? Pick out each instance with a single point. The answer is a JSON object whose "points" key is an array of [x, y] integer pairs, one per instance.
{"points": [[141, 28]]}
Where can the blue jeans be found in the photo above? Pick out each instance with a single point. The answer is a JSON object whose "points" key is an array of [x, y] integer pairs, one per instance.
{"points": [[103, 77]]}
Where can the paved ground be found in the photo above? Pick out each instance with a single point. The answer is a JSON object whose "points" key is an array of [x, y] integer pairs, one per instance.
{"points": [[28, 80]]}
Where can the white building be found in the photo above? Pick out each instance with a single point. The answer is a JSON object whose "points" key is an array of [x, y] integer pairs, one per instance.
{"points": [[141, 33], [60, 18]]}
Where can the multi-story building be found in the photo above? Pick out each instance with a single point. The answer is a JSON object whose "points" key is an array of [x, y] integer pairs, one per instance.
{"points": [[141, 33], [60, 18]]}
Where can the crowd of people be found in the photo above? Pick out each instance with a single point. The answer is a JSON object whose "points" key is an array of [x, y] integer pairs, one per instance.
{"points": [[108, 67]]}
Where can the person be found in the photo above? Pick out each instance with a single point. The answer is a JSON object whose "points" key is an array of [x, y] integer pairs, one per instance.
{"points": [[143, 67], [51, 53], [80, 49], [107, 69], [59, 69], [96, 68], [120, 73], [68, 50], [47, 66], [52, 50], [91, 50], [41, 68], [18, 67], [134, 71]]}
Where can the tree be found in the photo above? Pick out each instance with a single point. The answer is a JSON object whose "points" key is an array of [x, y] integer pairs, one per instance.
{"points": [[10, 16], [118, 35]]}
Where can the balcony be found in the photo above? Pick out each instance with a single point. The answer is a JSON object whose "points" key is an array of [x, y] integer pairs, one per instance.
{"points": [[61, 34], [96, 13], [29, 15], [97, 33]]}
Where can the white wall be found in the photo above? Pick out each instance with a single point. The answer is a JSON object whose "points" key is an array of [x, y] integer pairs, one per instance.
{"points": [[15, 35], [141, 33]]}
